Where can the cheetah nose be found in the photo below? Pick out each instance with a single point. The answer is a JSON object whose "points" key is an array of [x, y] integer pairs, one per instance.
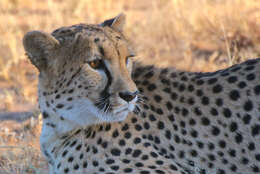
{"points": [[128, 96]]}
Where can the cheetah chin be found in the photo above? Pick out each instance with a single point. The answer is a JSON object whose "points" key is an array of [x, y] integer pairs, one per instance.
{"points": [[86, 113]]}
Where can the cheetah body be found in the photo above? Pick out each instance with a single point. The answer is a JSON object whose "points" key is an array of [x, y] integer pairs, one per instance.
{"points": [[183, 122]]}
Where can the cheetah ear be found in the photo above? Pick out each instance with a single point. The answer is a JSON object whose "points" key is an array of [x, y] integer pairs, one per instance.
{"points": [[117, 23], [38, 47]]}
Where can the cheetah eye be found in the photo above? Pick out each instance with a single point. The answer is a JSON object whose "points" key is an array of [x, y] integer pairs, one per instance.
{"points": [[96, 64]]}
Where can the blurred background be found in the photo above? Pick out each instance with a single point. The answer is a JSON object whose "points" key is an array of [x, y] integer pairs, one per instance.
{"points": [[191, 35]]}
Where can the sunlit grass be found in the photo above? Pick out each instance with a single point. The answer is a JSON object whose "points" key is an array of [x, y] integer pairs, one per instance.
{"points": [[203, 35]]}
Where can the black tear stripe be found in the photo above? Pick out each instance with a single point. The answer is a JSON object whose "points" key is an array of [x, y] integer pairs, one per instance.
{"points": [[101, 50], [104, 95]]}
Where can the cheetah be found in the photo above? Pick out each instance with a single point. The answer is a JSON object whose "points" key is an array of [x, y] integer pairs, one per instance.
{"points": [[105, 113]]}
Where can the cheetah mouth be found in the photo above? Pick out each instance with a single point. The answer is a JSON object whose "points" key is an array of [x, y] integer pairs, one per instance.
{"points": [[106, 107]]}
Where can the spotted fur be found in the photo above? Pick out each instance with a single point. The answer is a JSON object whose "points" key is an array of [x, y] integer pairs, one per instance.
{"points": [[183, 122]]}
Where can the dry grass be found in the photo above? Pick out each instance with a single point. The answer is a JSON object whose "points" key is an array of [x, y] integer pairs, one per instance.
{"points": [[203, 35]]}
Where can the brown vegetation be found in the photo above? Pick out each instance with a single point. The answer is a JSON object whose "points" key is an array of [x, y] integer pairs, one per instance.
{"points": [[203, 35]]}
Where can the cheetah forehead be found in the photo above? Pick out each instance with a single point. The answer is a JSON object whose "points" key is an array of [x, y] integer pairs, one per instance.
{"points": [[99, 33], [69, 33]]}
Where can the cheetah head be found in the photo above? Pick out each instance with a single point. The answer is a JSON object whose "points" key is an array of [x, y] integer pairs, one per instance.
{"points": [[84, 72]]}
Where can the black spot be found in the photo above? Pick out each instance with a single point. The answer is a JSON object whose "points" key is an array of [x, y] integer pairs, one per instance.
{"points": [[64, 153], [244, 161], [249, 68], [157, 98], [128, 135], [200, 82], [219, 102], [197, 111], [221, 171], [193, 153], [138, 127], [212, 81], [174, 96], [115, 168], [70, 159], [45, 115], [146, 125], [66, 170], [191, 101], [233, 127], [136, 153], [59, 106], [222, 144], [108, 127], [200, 144], [242, 85], [78, 147], [205, 100], [214, 111], [255, 169], [169, 105], [251, 146], [232, 153], [257, 89], [168, 134], [121, 142], [104, 145], [153, 154], [85, 164], [194, 133], [151, 87], [177, 139], [251, 62], [149, 74], [205, 121], [128, 170], [128, 151], [110, 161], [211, 157], [211, 146], [115, 133], [234, 95], [152, 118], [126, 161], [255, 130], [160, 125], [167, 90], [248, 106], [190, 88], [232, 79], [257, 157], [215, 130], [250, 77], [125, 127], [115, 152], [217, 88], [246, 119], [227, 113], [73, 143], [137, 140], [238, 138], [159, 111], [199, 93], [71, 91], [181, 87]]}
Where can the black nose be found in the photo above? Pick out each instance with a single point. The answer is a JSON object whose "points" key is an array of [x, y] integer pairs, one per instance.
{"points": [[128, 96]]}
